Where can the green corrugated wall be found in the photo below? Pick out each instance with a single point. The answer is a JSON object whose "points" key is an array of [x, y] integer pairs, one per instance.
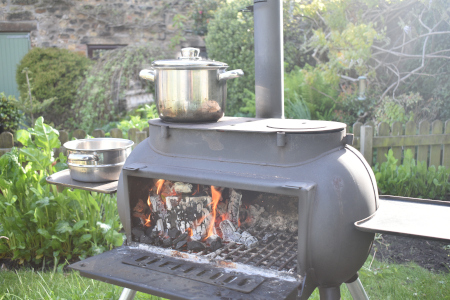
{"points": [[13, 47]]}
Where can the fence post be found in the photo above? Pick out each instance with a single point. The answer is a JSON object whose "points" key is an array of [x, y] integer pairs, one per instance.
{"points": [[367, 142], [79, 134], [132, 135], [357, 135], [422, 151], [6, 142], [410, 129], [140, 136], [116, 133], [63, 138], [446, 150], [397, 129], [383, 130], [98, 133], [435, 150]]}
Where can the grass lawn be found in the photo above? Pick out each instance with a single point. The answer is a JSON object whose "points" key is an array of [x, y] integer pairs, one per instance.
{"points": [[381, 280]]}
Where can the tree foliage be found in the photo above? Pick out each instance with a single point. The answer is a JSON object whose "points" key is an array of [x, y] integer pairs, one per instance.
{"points": [[400, 45]]}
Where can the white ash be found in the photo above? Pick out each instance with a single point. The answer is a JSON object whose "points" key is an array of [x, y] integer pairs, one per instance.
{"points": [[181, 187], [158, 206], [255, 212], [228, 230], [233, 207]]}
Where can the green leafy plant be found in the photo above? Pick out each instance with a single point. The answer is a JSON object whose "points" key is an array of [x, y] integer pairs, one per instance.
{"points": [[39, 223], [53, 73], [411, 178], [9, 114]]}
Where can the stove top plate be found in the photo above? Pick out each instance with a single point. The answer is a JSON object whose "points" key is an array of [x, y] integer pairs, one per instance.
{"points": [[258, 125]]}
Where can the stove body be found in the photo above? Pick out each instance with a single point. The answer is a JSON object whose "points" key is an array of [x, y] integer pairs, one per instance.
{"points": [[308, 162]]}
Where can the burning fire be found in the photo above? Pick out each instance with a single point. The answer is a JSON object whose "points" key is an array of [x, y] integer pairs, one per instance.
{"points": [[159, 184], [215, 195]]}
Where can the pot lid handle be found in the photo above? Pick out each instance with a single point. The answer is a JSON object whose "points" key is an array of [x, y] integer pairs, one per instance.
{"points": [[190, 53]]}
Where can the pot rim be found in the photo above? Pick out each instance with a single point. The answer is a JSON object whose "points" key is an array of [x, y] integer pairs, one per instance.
{"points": [[72, 145]]}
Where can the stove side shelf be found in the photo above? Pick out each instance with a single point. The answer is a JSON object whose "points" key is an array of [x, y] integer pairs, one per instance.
{"points": [[412, 217], [63, 179]]}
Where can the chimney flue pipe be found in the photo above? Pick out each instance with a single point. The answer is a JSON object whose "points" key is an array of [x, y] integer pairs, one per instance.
{"points": [[269, 58]]}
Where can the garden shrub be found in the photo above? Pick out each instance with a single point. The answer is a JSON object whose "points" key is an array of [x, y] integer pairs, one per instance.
{"points": [[39, 223], [55, 73], [9, 114], [411, 178], [109, 79]]}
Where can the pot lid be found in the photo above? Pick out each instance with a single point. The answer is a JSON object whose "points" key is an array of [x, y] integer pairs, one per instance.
{"points": [[189, 59]]}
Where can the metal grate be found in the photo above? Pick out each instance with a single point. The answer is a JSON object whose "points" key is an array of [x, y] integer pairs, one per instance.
{"points": [[278, 253]]}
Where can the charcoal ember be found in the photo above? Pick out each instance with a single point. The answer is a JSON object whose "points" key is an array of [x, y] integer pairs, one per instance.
{"points": [[148, 230], [174, 233], [182, 237], [228, 230], [196, 237], [236, 237], [181, 187], [233, 207], [154, 234], [268, 237], [250, 242], [146, 239], [180, 245], [167, 242], [137, 232], [195, 246], [214, 242]]}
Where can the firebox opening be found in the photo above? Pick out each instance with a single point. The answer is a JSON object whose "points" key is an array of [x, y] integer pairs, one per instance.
{"points": [[222, 223]]}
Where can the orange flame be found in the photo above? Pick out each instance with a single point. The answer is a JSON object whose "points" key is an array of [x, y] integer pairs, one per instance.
{"points": [[215, 195], [189, 231], [159, 185], [147, 222], [149, 202]]}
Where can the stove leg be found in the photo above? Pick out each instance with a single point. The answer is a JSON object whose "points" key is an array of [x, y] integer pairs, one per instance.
{"points": [[127, 294], [356, 288], [330, 292]]}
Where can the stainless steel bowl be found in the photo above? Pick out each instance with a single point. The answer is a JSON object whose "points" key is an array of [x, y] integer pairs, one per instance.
{"points": [[97, 160]]}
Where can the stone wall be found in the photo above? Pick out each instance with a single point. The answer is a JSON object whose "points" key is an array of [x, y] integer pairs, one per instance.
{"points": [[74, 24]]}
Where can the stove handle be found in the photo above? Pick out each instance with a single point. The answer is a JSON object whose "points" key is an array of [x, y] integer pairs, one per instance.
{"points": [[230, 74]]}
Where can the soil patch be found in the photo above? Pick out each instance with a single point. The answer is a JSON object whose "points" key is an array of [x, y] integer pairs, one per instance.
{"points": [[429, 254]]}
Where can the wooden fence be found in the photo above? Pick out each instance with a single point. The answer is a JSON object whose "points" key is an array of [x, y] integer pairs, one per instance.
{"points": [[428, 142], [7, 138]]}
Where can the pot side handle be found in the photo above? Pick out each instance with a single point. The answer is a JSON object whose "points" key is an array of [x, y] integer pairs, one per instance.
{"points": [[147, 74], [231, 74]]}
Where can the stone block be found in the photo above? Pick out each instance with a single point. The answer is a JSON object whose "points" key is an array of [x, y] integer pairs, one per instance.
{"points": [[20, 16], [40, 10], [18, 26], [24, 2]]}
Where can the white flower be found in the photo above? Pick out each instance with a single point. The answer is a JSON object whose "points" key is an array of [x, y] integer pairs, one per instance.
{"points": [[407, 29]]}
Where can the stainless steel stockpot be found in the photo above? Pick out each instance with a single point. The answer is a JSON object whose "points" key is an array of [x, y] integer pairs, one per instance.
{"points": [[190, 89], [97, 160]]}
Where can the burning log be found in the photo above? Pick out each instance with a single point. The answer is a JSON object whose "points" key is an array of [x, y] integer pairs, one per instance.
{"points": [[233, 207], [214, 242], [181, 187]]}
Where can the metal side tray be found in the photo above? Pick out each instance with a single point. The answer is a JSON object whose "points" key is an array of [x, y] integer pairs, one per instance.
{"points": [[421, 218], [175, 277], [63, 179]]}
